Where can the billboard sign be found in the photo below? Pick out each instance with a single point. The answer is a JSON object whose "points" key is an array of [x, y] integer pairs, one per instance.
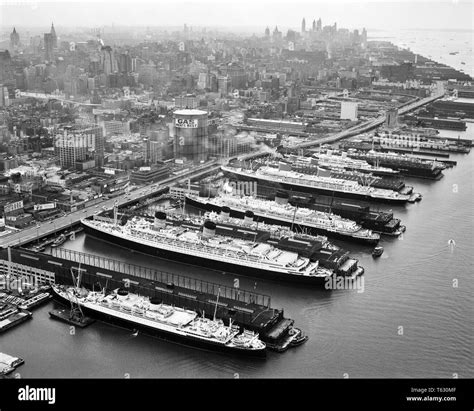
{"points": [[47, 206], [13, 206], [186, 123]]}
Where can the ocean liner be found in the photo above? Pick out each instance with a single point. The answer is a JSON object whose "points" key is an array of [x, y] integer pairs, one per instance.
{"points": [[280, 212], [154, 318], [328, 254], [409, 166], [284, 178], [225, 248], [334, 162]]}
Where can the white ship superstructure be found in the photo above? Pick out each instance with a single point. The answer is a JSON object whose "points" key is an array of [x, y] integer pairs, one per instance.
{"points": [[187, 241], [272, 210], [143, 312], [308, 181]]}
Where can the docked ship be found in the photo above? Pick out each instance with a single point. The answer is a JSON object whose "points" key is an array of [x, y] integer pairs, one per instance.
{"points": [[154, 318], [283, 213], [343, 162], [318, 247], [224, 248], [382, 222], [409, 166], [386, 178], [286, 179]]}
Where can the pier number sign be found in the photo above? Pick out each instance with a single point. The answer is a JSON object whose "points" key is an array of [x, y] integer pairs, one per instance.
{"points": [[186, 123]]}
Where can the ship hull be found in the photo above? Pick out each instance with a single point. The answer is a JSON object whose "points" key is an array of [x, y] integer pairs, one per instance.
{"points": [[224, 266], [161, 334], [280, 185], [275, 220]]}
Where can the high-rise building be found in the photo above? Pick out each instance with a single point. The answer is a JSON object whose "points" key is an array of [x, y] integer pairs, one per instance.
{"points": [[191, 135], [303, 26], [4, 97], [188, 101], [223, 84], [267, 32], [108, 62], [80, 143], [319, 25], [238, 77], [14, 39], [48, 47], [314, 25], [54, 38]]}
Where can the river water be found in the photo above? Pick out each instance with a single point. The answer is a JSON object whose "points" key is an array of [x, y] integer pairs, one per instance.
{"points": [[409, 321]]}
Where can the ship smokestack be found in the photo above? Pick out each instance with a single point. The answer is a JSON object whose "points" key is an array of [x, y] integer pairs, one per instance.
{"points": [[160, 220], [209, 229], [248, 218], [225, 212], [329, 152], [343, 154], [282, 197]]}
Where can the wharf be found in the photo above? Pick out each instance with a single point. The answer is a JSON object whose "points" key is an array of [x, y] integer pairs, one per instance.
{"points": [[247, 309]]}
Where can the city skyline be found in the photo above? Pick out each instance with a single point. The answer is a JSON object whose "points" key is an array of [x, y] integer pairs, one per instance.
{"points": [[351, 14]]}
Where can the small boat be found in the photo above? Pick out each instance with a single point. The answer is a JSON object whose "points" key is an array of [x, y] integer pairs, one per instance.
{"points": [[377, 251], [59, 241]]}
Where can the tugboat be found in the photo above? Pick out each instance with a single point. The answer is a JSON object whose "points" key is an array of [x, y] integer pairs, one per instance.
{"points": [[377, 251], [59, 241]]}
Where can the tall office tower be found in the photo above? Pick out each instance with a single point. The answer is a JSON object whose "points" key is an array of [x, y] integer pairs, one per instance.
{"points": [[80, 143], [314, 25], [267, 32], [319, 25], [48, 47], [54, 38], [223, 84], [303, 26], [14, 39], [108, 63]]}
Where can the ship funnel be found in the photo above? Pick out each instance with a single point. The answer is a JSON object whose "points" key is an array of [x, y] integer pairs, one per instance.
{"points": [[329, 152], [160, 220], [209, 229], [248, 218], [281, 197], [344, 154], [225, 212]]}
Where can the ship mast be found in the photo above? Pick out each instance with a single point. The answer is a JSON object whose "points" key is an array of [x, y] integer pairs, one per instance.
{"points": [[217, 302]]}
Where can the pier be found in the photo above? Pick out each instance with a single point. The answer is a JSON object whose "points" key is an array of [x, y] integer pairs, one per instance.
{"points": [[248, 309]]}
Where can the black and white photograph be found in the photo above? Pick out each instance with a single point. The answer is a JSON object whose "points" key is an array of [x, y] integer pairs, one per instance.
{"points": [[225, 197]]}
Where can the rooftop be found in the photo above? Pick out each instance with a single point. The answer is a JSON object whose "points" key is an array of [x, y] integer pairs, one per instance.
{"points": [[189, 112]]}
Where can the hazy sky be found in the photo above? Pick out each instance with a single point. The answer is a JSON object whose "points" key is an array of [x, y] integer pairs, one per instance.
{"points": [[419, 14]]}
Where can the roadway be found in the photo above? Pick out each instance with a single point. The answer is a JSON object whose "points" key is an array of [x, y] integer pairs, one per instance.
{"points": [[50, 227], [368, 125]]}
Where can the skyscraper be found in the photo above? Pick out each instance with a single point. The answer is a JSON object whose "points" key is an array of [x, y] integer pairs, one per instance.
{"points": [[14, 39], [319, 25], [48, 47], [314, 25], [303, 26], [108, 61], [54, 38]]}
